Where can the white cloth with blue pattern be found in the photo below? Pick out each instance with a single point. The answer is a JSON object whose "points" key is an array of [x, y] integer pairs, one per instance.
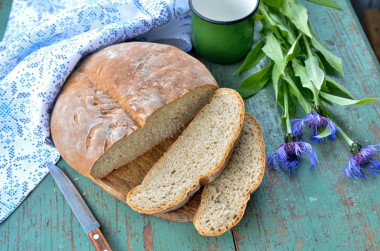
{"points": [[43, 42]]}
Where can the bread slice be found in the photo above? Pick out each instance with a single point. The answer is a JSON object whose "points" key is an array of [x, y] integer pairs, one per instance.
{"points": [[224, 200], [197, 157]]}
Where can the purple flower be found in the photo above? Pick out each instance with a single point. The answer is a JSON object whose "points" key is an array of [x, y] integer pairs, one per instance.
{"points": [[362, 158], [287, 156], [314, 121]]}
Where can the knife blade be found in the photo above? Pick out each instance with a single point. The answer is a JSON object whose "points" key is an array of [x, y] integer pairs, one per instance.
{"points": [[86, 219]]}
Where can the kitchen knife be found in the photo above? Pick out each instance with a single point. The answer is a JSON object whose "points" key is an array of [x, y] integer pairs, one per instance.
{"points": [[80, 209]]}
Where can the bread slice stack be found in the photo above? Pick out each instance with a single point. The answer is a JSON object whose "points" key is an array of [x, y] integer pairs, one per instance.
{"points": [[195, 159], [224, 200], [219, 149]]}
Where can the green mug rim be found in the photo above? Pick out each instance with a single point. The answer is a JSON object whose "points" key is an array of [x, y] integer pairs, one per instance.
{"points": [[223, 22]]}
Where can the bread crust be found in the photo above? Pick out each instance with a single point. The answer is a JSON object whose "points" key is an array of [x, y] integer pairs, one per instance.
{"points": [[206, 178], [114, 92], [246, 198]]}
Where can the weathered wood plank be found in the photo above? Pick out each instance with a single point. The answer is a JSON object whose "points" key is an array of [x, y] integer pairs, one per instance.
{"points": [[320, 209]]}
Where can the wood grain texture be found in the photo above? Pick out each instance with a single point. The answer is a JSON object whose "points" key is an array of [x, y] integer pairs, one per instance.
{"points": [[99, 241], [311, 210], [122, 180]]}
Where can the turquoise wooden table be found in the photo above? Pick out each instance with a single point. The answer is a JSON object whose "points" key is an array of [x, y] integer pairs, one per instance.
{"points": [[312, 210]]}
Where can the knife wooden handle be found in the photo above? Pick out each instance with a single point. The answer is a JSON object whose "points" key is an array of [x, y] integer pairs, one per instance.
{"points": [[100, 243]]}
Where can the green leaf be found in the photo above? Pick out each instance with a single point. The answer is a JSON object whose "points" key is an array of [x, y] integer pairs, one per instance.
{"points": [[296, 92], [264, 31], [325, 100], [276, 16], [279, 22], [259, 17], [300, 71], [253, 57], [254, 83], [345, 101], [292, 27], [274, 3], [328, 3], [325, 133], [273, 50], [324, 87], [315, 73], [276, 75], [338, 89], [297, 14], [334, 61], [293, 51], [286, 33]]}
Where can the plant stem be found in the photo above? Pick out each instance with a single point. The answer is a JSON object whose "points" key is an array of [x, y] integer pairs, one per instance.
{"points": [[317, 101], [349, 141], [286, 107], [345, 136]]}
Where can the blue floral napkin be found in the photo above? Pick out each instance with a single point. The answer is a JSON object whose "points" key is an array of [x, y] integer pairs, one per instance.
{"points": [[43, 42]]}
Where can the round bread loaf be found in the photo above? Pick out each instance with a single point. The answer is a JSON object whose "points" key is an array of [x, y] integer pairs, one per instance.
{"points": [[125, 99]]}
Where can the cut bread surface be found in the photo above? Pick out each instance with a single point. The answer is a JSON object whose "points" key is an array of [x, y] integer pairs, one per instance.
{"points": [[224, 200], [197, 157], [163, 124]]}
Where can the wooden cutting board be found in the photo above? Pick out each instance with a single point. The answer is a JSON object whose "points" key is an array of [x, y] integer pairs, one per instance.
{"points": [[123, 179]]}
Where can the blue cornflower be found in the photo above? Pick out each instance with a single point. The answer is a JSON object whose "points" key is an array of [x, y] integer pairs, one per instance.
{"points": [[315, 121], [363, 157], [287, 156]]}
